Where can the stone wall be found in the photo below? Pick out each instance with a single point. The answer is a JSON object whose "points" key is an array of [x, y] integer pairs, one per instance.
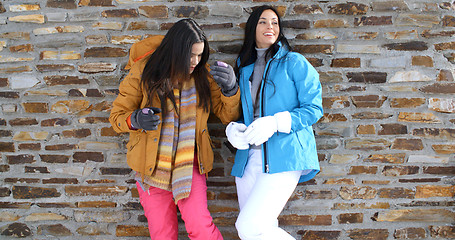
{"points": [[386, 141]]}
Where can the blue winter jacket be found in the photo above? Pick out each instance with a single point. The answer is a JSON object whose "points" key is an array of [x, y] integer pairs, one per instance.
{"points": [[292, 85]]}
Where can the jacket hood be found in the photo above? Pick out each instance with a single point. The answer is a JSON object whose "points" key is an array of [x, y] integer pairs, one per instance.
{"points": [[142, 49]]}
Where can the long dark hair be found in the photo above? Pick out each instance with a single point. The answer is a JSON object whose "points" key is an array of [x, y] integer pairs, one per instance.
{"points": [[170, 63], [248, 53]]}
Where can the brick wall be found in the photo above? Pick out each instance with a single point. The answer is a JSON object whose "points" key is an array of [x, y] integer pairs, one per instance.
{"points": [[386, 141]]}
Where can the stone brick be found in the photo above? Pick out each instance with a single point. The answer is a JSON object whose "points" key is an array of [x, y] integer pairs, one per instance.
{"points": [[358, 48], [408, 46], [29, 146], [65, 4], [400, 170], [115, 171], [371, 115], [105, 52], [96, 3], [95, 190], [417, 20], [320, 194], [425, 61], [368, 101], [302, 220], [336, 117], [348, 193], [445, 46], [440, 170], [410, 233], [11, 95], [23, 122], [373, 21], [82, 157], [96, 67], [393, 5], [94, 120], [336, 102], [407, 102], [115, 26], [96, 204], [17, 230], [15, 205], [442, 105], [4, 192], [367, 144], [296, 24], [427, 191], [101, 216], [56, 205], [320, 235], [398, 192], [367, 77], [364, 35], [439, 88], [93, 229], [197, 12], [348, 8], [404, 35], [418, 117], [407, 144], [55, 230], [125, 39], [60, 147], [32, 18], [366, 129], [70, 106], [446, 75], [142, 25], [442, 231], [64, 80], [54, 122], [376, 234], [316, 35], [120, 13], [21, 48], [307, 9], [396, 158], [414, 215], [346, 62], [354, 170], [343, 181], [444, 148], [448, 21], [60, 181], [23, 192], [30, 169], [435, 133], [20, 159], [34, 217], [8, 217], [347, 218], [131, 231], [314, 48]]}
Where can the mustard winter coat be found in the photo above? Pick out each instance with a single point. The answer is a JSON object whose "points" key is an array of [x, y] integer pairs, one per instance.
{"points": [[143, 145]]}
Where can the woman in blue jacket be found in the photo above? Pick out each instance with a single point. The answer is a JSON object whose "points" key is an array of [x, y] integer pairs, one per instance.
{"points": [[281, 100]]}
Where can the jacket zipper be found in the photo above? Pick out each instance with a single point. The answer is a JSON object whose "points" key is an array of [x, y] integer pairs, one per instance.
{"points": [[266, 161]]}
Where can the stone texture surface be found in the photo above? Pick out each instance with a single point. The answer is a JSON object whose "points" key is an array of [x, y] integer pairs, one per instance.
{"points": [[385, 143]]}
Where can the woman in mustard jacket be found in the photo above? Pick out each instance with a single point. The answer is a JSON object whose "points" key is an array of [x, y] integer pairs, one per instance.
{"points": [[164, 104]]}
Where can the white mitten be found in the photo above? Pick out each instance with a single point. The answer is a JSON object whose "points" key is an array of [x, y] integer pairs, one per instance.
{"points": [[235, 135], [261, 129]]}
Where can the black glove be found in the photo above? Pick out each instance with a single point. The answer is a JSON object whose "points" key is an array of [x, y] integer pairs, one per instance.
{"points": [[224, 76], [146, 118]]}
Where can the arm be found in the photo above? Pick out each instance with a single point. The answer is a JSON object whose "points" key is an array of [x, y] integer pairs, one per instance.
{"points": [[227, 109]]}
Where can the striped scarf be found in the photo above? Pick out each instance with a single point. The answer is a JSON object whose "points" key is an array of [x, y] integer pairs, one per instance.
{"points": [[174, 169]]}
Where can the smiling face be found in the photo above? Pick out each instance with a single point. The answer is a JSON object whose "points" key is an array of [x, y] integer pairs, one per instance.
{"points": [[196, 55], [267, 29]]}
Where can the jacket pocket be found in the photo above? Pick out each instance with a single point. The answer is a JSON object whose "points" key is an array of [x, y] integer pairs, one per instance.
{"points": [[205, 152]]}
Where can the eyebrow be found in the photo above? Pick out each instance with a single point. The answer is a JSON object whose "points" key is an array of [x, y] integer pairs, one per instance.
{"points": [[274, 18]]}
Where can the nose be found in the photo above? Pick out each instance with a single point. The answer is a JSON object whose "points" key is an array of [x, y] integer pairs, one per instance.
{"points": [[193, 61]]}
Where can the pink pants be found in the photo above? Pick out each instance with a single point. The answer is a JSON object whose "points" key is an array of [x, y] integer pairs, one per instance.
{"points": [[161, 212]]}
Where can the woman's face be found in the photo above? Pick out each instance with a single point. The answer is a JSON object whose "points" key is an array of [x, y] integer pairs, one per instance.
{"points": [[267, 30], [196, 54]]}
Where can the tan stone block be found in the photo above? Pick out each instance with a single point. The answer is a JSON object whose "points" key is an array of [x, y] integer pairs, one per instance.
{"points": [[409, 76], [398, 192], [418, 117], [331, 23], [355, 170], [34, 217], [403, 35], [361, 234], [336, 102], [416, 215], [97, 67], [365, 35], [15, 59], [343, 158], [108, 26], [373, 21], [46, 92], [8, 217], [95, 190], [407, 102], [425, 61], [96, 204], [447, 232], [30, 136], [386, 158], [59, 55], [358, 48], [417, 20], [9, 70], [70, 106], [365, 144], [339, 181], [445, 46], [428, 191], [98, 145], [125, 39], [33, 18], [316, 35], [154, 11], [24, 7], [400, 170], [377, 205], [131, 231], [120, 13], [348, 193], [375, 182], [307, 9], [366, 129]]}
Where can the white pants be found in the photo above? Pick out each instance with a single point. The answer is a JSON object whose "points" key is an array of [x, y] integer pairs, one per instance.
{"points": [[262, 197]]}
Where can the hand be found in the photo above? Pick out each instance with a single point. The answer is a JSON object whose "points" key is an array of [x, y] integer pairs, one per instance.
{"points": [[234, 133], [224, 76], [146, 118], [261, 129]]}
